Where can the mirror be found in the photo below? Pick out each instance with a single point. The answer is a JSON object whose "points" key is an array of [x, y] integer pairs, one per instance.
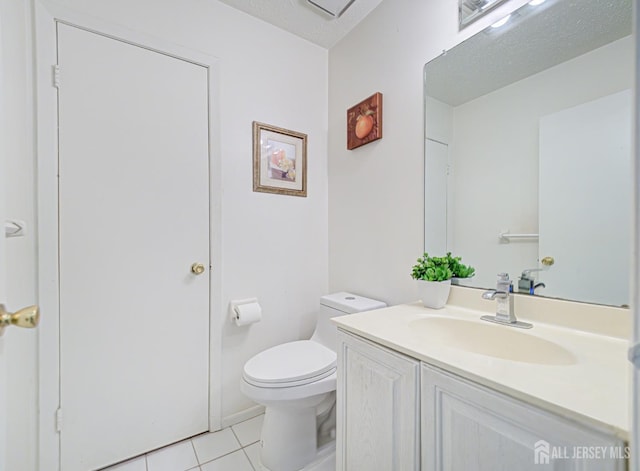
{"points": [[528, 150]]}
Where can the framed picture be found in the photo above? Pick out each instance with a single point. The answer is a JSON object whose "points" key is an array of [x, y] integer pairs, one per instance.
{"points": [[364, 122], [279, 160]]}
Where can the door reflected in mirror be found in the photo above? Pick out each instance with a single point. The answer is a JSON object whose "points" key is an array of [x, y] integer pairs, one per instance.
{"points": [[528, 132]]}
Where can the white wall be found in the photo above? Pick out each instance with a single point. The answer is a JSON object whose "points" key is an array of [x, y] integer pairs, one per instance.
{"points": [[274, 247], [495, 140], [376, 207]]}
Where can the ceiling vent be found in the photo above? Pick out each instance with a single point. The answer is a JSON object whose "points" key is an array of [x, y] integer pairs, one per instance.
{"points": [[334, 8]]}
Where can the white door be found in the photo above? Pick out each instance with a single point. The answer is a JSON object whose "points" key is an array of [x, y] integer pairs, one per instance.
{"points": [[585, 197], [436, 171], [3, 298], [134, 217]]}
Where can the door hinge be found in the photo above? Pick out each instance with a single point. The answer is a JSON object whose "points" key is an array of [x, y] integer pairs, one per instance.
{"points": [[59, 420], [56, 76]]}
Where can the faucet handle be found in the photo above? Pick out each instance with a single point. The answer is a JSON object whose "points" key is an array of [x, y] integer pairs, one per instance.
{"points": [[503, 283]]}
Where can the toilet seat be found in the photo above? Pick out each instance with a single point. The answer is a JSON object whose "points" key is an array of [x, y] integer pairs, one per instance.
{"points": [[287, 396], [290, 364]]}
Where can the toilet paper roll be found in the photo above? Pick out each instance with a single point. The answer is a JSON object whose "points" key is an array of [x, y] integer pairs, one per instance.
{"points": [[247, 313]]}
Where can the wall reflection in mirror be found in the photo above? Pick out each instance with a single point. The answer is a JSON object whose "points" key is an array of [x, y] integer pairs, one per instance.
{"points": [[528, 150]]}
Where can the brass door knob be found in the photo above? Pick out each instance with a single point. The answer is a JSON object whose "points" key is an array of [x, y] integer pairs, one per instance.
{"points": [[547, 261], [197, 268], [28, 317]]}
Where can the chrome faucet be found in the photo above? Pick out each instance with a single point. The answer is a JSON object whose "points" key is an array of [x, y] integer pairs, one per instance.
{"points": [[527, 284], [504, 310]]}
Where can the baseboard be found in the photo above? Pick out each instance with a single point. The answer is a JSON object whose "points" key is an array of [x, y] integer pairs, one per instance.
{"points": [[241, 416]]}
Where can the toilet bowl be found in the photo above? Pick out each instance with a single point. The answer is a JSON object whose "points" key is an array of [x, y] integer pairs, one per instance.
{"points": [[296, 382]]}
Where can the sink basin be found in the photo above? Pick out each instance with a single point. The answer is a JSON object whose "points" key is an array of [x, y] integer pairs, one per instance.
{"points": [[496, 341]]}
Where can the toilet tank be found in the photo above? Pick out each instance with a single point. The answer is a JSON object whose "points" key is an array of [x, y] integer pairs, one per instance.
{"points": [[339, 304]]}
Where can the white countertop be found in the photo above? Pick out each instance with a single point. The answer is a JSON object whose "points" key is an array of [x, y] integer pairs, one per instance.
{"points": [[595, 390]]}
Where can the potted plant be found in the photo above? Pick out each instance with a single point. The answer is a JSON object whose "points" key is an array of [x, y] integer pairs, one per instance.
{"points": [[433, 275], [459, 269]]}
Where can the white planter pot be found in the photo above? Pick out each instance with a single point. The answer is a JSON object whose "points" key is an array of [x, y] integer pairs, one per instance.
{"points": [[461, 281], [434, 294]]}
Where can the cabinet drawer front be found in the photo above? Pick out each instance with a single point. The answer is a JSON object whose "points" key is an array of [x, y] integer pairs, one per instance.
{"points": [[378, 408], [466, 426]]}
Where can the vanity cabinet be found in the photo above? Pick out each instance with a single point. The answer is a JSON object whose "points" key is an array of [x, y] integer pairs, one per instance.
{"points": [[377, 408], [397, 414], [466, 426]]}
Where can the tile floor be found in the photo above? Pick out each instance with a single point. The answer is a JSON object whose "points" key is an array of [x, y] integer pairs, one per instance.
{"points": [[233, 449]]}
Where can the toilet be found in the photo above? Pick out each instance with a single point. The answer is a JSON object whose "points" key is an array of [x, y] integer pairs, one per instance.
{"points": [[296, 382]]}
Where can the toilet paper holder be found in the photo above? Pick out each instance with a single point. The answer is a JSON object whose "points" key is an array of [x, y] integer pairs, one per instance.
{"points": [[235, 312]]}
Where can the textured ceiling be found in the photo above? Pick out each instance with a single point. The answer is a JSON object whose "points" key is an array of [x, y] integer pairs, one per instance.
{"points": [[535, 39], [305, 20]]}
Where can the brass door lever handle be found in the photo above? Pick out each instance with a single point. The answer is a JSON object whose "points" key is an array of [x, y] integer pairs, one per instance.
{"points": [[28, 317]]}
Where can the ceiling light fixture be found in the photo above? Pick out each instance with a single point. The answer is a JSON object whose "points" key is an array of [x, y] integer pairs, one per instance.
{"points": [[535, 3], [476, 4], [501, 22], [333, 7]]}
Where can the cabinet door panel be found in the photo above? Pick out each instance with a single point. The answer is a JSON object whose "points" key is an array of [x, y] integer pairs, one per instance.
{"points": [[378, 408], [466, 426]]}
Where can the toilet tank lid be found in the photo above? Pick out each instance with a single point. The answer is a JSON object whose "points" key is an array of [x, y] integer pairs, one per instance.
{"points": [[350, 303]]}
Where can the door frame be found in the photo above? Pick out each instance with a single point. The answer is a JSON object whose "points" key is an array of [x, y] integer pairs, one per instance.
{"points": [[635, 252], [46, 16], [3, 371]]}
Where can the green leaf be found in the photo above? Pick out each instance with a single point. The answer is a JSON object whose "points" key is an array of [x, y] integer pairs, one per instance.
{"points": [[432, 268], [459, 269], [440, 268]]}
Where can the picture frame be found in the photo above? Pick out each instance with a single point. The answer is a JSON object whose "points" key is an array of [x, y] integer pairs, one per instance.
{"points": [[279, 160], [364, 122]]}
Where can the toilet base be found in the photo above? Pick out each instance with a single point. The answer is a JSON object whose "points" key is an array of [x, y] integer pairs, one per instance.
{"points": [[289, 434], [325, 460]]}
